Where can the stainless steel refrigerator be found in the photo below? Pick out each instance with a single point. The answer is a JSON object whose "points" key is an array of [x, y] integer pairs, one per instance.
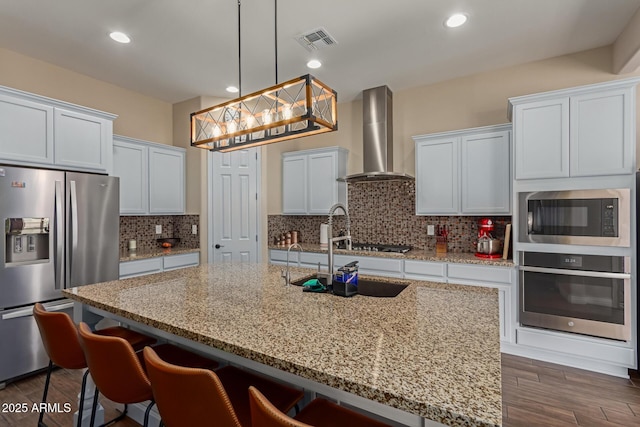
{"points": [[60, 230]]}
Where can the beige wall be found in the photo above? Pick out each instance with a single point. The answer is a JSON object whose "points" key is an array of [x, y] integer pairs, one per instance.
{"points": [[139, 116], [477, 100], [196, 194]]}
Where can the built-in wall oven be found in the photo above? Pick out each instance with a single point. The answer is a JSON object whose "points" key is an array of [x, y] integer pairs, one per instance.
{"points": [[585, 294], [576, 217]]}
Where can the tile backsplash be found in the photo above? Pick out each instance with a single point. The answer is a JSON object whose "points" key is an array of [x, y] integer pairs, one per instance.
{"points": [[384, 213], [143, 230]]}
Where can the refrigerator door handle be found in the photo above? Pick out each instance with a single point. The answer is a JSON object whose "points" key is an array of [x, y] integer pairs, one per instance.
{"points": [[59, 227], [73, 215], [25, 312]]}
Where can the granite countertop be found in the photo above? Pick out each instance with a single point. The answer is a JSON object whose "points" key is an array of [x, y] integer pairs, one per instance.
{"points": [[415, 254], [126, 255], [434, 350]]}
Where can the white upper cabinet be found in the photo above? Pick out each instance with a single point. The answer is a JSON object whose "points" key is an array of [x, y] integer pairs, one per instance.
{"points": [[309, 180], [437, 188], [39, 131], [294, 184], [584, 131], [464, 172], [152, 177], [26, 130], [541, 135], [166, 180], [130, 164], [82, 141], [486, 173]]}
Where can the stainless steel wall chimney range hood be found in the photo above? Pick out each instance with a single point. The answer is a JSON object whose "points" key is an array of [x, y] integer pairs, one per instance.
{"points": [[377, 135]]}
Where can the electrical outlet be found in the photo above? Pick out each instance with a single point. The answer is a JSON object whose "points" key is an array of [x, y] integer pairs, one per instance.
{"points": [[158, 229], [194, 229], [431, 230]]}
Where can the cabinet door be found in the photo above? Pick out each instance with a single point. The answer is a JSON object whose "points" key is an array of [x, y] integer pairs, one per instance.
{"points": [[541, 135], [437, 176], [82, 141], [486, 177], [323, 187], [601, 133], [294, 185], [166, 181], [130, 163], [26, 131]]}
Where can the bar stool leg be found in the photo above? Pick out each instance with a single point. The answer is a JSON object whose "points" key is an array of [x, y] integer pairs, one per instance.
{"points": [[146, 414], [44, 394], [81, 403]]}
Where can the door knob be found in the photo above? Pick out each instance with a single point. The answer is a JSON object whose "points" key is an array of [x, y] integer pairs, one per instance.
{"points": [[218, 246]]}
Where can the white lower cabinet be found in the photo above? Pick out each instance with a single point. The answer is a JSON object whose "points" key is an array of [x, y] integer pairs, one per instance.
{"points": [[501, 278], [146, 266]]}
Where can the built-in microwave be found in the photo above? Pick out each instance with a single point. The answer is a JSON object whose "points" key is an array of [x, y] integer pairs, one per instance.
{"points": [[576, 217]]}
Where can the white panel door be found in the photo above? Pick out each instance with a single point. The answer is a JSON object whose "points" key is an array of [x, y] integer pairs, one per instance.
{"points": [[234, 213], [26, 131], [541, 135], [82, 141], [601, 133]]}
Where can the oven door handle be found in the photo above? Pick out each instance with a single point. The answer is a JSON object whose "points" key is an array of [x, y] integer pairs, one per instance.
{"points": [[600, 274]]}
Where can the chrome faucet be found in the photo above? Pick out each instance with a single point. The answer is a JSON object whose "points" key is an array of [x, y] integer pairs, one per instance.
{"points": [[285, 274], [328, 275]]}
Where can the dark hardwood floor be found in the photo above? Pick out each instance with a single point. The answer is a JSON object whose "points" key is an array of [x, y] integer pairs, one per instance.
{"points": [[534, 394]]}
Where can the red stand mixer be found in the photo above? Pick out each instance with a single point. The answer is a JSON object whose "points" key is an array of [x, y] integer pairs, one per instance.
{"points": [[488, 246]]}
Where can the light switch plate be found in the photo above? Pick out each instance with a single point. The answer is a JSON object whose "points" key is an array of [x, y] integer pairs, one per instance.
{"points": [[158, 229], [431, 230], [194, 229]]}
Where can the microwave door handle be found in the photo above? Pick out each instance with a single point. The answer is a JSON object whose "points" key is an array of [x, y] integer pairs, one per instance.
{"points": [[58, 233], [581, 273]]}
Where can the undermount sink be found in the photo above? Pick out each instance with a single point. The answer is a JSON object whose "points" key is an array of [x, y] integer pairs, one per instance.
{"points": [[366, 287]]}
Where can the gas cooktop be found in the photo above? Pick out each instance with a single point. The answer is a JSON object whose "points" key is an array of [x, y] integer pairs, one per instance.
{"points": [[372, 247]]}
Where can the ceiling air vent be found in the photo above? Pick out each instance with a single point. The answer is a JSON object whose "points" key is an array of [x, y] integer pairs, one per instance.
{"points": [[316, 39]]}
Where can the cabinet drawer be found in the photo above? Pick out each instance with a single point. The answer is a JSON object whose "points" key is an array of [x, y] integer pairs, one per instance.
{"points": [[425, 269], [311, 259], [139, 268], [479, 274], [372, 265], [180, 261]]}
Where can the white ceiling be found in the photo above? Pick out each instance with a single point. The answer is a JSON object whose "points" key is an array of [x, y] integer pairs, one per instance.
{"points": [[185, 48]]}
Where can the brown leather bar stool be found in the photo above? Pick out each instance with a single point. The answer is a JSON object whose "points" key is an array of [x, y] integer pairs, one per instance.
{"points": [[60, 339], [118, 372], [197, 397], [318, 413]]}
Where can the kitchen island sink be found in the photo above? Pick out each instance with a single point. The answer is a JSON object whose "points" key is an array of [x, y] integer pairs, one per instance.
{"points": [[367, 287]]}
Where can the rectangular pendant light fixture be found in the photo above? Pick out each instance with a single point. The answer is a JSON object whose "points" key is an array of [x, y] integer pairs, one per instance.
{"points": [[299, 107]]}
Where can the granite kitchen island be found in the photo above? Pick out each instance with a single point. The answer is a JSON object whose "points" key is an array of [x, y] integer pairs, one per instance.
{"points": [[430, 354]]}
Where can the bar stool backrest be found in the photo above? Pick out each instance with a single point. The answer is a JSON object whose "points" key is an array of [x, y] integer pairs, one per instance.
{"points": [[114, 367], [264, 414], [60, 338], [188, 396]]}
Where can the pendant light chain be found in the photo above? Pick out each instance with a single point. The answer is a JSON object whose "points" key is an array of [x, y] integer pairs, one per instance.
{"points": [[239, 55], [275, 18]]}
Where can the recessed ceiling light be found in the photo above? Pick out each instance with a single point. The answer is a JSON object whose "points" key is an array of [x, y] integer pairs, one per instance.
{"points": [[120, 37], [314, 63], [232, 89], [456, 20]]}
